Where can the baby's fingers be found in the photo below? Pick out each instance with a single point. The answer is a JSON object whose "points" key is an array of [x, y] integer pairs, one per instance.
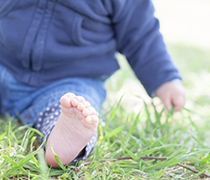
{"points": [[178, 102], [167, 103]]}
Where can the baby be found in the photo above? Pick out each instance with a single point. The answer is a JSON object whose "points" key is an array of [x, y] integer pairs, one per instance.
{"points": [[55, 56]]}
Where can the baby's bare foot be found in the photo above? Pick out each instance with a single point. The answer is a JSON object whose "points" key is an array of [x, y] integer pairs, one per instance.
{"points": [[75, 127]]}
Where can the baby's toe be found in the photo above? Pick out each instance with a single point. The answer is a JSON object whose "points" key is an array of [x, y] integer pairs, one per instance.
{"points": [[88, 111], [65, 101], [80, 98], [70, 95], [82, 105], [92, 119], [76, 100]]}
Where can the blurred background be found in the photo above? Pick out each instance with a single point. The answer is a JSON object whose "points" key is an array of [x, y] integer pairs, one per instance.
{"points": [[185, 21], [185, 25]]}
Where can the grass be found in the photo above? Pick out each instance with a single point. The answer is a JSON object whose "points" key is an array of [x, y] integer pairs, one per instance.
{"points": [[136, 126]]}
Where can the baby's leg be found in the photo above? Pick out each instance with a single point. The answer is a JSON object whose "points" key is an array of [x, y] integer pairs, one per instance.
{"points": [[75, 127]]}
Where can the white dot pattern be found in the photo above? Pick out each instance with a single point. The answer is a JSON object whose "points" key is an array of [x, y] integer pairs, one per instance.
{"points": [[47, 119]]}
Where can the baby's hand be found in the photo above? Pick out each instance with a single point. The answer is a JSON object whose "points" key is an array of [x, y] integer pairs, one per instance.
{"points": [[172, 93]]}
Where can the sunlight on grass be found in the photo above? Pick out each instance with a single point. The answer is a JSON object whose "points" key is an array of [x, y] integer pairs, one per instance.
{"points": [[150, 132]]}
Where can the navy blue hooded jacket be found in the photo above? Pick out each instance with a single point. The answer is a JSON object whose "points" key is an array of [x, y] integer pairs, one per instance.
{"points": [[42, 41]]}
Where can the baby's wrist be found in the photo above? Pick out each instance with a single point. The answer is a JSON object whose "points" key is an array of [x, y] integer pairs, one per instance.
{"points": [[176, 81]]}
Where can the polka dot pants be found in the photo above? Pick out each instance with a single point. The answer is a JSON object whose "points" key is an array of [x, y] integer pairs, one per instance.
{"points": [[47, 119]]}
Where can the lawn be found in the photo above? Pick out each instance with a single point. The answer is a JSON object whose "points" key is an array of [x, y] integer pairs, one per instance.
{"points": [[140, 140]]}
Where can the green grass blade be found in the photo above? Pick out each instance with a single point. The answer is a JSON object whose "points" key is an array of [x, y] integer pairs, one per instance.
{"points": [[58, 160], [22, 162], [8, 159], [134, 157], [43, 165], [113, 113], [162, 164], [2, 136], [114, 132], [134, 124]]}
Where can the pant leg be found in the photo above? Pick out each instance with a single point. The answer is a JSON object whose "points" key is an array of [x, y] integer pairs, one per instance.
{"points": [[92, 90], [14, 96], [25, 102]]}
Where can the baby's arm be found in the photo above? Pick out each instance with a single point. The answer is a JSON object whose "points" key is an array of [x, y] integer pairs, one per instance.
{"points": [[172, 93]]}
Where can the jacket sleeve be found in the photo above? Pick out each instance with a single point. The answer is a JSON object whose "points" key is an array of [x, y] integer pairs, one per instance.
{"points": [[139, 39]]}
